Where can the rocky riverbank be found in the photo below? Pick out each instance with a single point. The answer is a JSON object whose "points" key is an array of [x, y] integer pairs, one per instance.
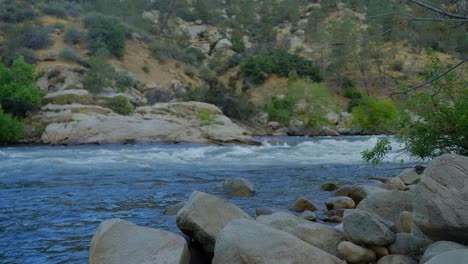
{"points": [[420, 216]]}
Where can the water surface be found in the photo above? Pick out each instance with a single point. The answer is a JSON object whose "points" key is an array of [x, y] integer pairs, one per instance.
{"points": [[53, 198]]}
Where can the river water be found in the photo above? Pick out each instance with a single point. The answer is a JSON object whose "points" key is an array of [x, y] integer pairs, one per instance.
{"points": [[53, 198]]}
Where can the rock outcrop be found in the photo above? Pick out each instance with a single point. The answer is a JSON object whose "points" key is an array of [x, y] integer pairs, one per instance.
{"points": [[120, 242], [245, 241], [441, 199], [204, 216], [165, 122]]}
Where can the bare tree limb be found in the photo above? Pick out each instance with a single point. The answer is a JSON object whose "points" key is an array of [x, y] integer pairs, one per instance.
{"points": [[437, 10]]}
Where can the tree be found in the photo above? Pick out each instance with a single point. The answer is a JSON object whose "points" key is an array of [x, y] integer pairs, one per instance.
{"points": [[100, 73], [10, 128]]}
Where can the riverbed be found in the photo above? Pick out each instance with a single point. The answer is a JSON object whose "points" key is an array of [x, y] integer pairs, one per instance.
{"points": [[53, 198]]}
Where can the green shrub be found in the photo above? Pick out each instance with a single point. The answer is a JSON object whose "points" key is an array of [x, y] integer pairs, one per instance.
{"points": [[280, 109], [163, 49], [123, 80], [237, 43], [105, 33], [35, 37], [100, 73], [374, 115], [18, 91], [14, 11], [120, 105], [10, 128], [207, 120], [55, 9], [146, 68], [71, 54], [73, 36]]}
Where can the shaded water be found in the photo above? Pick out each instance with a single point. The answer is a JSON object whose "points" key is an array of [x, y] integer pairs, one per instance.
{"points": [[53, 198]]}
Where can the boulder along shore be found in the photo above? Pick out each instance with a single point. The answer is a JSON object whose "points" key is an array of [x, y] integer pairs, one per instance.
{"points": [[419, 216]]}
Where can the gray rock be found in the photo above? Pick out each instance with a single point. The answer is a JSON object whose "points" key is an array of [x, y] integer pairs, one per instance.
{"points": [[340, 202], [355, 254], [410, 177], [398, 183], [174, 209], [406, 221], [328, 187], [438, 248], [367, 228], [359, 192], [249, 242], [388, 205], [308, 215], [240, 187], [69, 97], [459, 256], [407, 244], [322, 236], [301, 205], [204, 216], [265, 210], [396, 259], [441, 199], [120, 242], [379, 251]]}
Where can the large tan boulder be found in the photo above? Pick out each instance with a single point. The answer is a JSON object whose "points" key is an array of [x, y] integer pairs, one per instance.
{"points": [[193, 122], [340, 202], [355, 254], [120, 242], [302, 204], [322, 236], [245, 241], [388, 205], [441, 199], [410, 177], [204, 216]]}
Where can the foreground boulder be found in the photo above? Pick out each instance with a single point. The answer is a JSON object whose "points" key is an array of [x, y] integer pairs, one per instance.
{"points": [[388, 205], [449, 257], [441, 199], [322, 236], [239, 187], [204, 216], [163, 122], [397, 259], [407, 244], [301, 205], [173, 209], [245, 241], [359, 192], [355, 254], [340, 202], [438, 248], [410, 176], [120, 242], [367, 228]]}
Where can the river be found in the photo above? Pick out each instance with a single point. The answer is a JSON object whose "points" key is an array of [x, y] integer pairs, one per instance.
{"points": [[53, 198]]}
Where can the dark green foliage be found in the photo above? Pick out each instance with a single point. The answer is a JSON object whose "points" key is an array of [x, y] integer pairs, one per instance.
{"points": [[12, 11], [10, 128], [100, 73], [71, 54], [375, 115], [280, 109], [105, 33], [237, 44], [268, 61], [55, 9], [168, 49], [123, 80], [73, 36], [35, 37], [120, 105], [378, 153], [18, 91]]}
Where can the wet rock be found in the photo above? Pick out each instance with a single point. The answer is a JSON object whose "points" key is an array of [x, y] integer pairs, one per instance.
{"points": [[328, 187], [249, 242], [355, 254], [388, 205], [410, 177], [453, 256], [322, 236], [204, 216], [239, 187], [407, 244], [342, 202], [367, 228], [174, 209], [120, 242], [397, 259], [438, 248], [406, 220], [441, 199], [301, 205]]}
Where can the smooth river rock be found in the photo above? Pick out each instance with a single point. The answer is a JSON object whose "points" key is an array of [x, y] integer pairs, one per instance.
{"points": [[245, 241], [239, 187], [397, 259], [322, 236], [409, 177], [193, 122], [340, 202], [367, 228], [301, 205], [120, 242], [459, 256], [355, 254], [204, 216], [438, 248], [441, 199], [407, 244]]}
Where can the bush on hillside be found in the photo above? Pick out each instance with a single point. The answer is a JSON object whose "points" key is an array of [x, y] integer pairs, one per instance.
{"points": [[18, 91], [35, 37], [100, 73], [120, 105], [259, 67], [71, 54], [375, 115], [54, 9], [105, 33], [15, 12], [10, 128], [164, 49], [73, 36]]}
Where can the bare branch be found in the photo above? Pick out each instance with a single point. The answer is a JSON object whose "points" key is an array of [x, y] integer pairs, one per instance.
{"points": [[435, 78], [437, 10]]}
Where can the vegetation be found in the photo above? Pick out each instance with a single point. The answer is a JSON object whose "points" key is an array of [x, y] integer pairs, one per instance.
{"points": [[120, 105], [100, 74], [206, 117], [374, 115], [105, 33], [10, 128], [73, 36]]}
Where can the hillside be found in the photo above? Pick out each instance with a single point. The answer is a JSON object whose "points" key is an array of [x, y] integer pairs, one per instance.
{"points": [[278, 67]]}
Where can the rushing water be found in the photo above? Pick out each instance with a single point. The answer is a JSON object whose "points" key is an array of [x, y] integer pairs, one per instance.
{"points": [[53, 198]]}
